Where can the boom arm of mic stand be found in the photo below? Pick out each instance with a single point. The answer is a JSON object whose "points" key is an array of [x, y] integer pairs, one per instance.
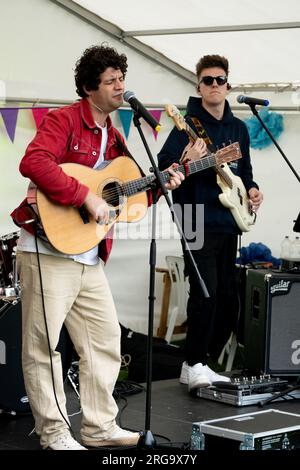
{"points": [[254, 111]]}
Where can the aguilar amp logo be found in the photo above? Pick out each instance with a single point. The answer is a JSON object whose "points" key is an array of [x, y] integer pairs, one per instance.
{"points": [[296, 354], [281, 286]]}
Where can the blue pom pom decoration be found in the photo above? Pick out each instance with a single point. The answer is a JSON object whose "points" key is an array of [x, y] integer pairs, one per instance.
{"points": [[259, 139]]}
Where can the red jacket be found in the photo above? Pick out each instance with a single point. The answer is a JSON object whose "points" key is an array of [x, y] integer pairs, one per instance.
{"points": [[68, 134]]}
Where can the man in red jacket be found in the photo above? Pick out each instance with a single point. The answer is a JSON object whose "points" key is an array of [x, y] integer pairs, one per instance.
{"points": [[72, 289]]}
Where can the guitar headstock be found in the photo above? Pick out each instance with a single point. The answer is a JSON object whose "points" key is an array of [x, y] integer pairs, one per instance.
{"points": [[178, 119], [228, 154]]}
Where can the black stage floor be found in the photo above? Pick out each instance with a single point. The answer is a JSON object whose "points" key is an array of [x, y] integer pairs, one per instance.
{"points": [[172, 414]]}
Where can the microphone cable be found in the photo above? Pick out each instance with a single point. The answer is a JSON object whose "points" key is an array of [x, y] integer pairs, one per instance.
{"points": [[48, 337], [35, 224]]}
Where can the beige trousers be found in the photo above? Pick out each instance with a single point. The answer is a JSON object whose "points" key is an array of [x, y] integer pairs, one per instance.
{"points": [[78, 296]]}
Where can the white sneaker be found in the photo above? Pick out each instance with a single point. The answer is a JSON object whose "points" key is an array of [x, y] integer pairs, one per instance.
{"points": [[199, 376], [65, 442], [214, 377], [120, 437], [194, 376]]}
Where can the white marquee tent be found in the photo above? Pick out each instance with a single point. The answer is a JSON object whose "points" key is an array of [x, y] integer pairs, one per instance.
{"points": [[42, 39]]}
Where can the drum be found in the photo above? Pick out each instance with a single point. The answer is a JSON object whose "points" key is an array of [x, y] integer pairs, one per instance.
{"points": [[8, 245], [13, 396]]}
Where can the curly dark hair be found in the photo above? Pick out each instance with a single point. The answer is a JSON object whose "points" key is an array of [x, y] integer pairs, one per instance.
{"points": [[214, 60], [94, 61]]}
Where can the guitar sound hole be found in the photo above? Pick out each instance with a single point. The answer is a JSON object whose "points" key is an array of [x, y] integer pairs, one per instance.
{"points": [[112, 193]]}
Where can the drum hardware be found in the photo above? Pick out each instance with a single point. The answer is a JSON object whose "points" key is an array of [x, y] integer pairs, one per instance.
{"points": [[73, 377], [9, 284], [9, 291]]}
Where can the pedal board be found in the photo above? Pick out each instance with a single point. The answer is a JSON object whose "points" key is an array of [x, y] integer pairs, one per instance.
{"points": [[263, 383], [243, 391]]}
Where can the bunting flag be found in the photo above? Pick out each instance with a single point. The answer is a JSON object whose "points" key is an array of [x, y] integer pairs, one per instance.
{"points": [[156, 113], [125, 116], [38, 114], [9, 116]]}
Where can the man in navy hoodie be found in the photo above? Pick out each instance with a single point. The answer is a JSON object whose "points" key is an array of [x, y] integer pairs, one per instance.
{"points": [[209, 319]]}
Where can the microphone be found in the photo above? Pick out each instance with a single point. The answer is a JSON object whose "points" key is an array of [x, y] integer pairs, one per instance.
{"points": [[249, 100], [141, 111]]}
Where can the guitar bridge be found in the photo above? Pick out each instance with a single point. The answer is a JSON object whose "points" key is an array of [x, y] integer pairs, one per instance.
{"points": [[84, 215]]}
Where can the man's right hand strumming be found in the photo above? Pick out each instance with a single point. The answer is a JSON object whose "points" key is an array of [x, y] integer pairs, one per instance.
{"points": [[97, 207]]}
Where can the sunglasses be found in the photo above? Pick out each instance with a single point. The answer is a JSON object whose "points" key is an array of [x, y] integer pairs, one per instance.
{"points": [[208, 80]]}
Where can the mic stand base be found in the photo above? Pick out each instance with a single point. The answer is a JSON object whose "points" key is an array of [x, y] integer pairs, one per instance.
{"points": [[281, 394], [147, 441]]}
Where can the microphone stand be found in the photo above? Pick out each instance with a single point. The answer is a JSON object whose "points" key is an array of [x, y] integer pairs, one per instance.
{"points": [[282, 394], [147, 440], [254, 111]]}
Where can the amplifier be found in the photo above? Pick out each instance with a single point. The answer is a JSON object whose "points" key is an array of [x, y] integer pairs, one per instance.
{"points": [[272, 322]]}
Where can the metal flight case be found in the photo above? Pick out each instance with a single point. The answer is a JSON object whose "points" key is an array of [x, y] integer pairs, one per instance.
{"points": [[262, 430]]}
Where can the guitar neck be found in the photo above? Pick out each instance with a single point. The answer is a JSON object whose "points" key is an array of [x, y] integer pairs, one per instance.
{"points": [[143, 184], [193, 136], [225, 177]]}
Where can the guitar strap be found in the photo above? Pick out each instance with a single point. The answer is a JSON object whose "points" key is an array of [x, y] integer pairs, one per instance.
{"points": [[211, 147], [203, 134]]}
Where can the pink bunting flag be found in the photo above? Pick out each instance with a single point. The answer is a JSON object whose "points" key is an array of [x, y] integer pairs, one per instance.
{"points": [[156, 113], [38, 115], [9, 116]]}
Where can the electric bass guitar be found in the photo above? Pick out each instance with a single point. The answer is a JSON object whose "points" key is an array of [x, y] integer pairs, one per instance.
{"points": [[72, 231], [234, 195]]}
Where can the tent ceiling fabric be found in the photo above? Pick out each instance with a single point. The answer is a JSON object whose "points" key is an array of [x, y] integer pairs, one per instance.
{"points": [[255, 56]]}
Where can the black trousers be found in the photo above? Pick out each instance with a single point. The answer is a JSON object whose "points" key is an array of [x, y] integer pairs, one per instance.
{"points": [[210, 321]]}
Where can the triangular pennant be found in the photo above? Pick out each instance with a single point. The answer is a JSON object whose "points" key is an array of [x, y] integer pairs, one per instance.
{"points": [[125, 118], [38, 114], [10, 120], [156, 113]]}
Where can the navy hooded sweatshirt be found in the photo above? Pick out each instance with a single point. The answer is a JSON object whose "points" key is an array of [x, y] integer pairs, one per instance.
{"points": [[202, 187]]}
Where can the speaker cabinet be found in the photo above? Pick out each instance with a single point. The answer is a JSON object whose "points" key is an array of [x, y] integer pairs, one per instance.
{"points": [[12, 390], [272, 322]]}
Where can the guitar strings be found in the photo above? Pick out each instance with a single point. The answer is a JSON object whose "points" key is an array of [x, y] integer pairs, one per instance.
{"points": [[114, 192], [108, 193], [131, 184]]}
